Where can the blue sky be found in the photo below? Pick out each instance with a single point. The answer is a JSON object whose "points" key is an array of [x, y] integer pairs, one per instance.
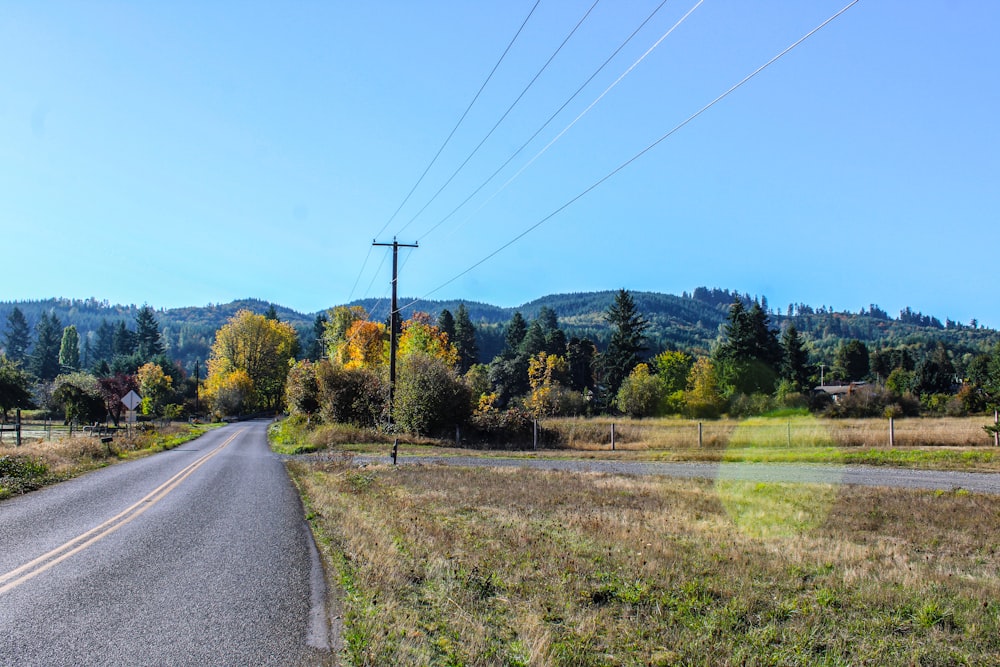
{"points": [[185, 153]]}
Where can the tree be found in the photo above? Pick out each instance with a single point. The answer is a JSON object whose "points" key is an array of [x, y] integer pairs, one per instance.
{"points": [[79, 394], [148, 341], [446, 323], [640, 394], [104, 345], [748, 359], [355, 396], [123, 340], [301, 389], [936, 373], [534, 340], [794, 359], [316, 347], [112, 389], [852, 362], [580, 355], [516, 330], [15, 386], [419, 336], [256, 352], [337, 330], [17, 338], [69, 349], [155, 387], [628, 336], [44, 361], [672, 371], [547, 374], [365, 346], [429, 397], [464, 339], [703, 399]]}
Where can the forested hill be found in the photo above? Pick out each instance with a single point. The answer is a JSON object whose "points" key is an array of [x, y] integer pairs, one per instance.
{"points": [[691, 321]]}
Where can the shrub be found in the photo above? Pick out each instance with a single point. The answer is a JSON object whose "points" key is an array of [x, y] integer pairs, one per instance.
{"points": [[430, 397], [350, 395]]}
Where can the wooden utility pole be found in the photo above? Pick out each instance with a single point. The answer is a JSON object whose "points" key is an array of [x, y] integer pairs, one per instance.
{"points": [[393, 318]]}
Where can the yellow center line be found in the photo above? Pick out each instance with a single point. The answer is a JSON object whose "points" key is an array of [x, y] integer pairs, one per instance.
{"points": [[46, 561]]}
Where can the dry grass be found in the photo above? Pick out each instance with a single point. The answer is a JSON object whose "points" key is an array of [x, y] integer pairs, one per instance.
{"points": [[505, 567], [664, 434], [67, 457]]}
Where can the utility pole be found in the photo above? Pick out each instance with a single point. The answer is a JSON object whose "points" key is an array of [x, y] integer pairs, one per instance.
{"points": [[393, 318]]}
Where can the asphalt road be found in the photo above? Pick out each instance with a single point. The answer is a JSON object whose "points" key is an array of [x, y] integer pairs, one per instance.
{"points": [[196, 556], [758, 472]]}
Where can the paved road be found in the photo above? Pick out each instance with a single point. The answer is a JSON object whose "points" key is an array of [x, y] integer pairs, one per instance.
{"points": [[196, 556], [760, 472]]}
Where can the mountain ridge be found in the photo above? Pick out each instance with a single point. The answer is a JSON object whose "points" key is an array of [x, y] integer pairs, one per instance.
{"points": [[689, 321]]}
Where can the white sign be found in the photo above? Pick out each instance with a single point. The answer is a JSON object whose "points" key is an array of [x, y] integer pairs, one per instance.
{"points": [[131, 400]]}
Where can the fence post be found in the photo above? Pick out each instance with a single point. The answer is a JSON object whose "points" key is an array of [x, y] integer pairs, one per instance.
{"points": [[17, 427], [996, 433], [892, 432], [700, 441], [789, 434], [534, 435], [612, 436], [458, 435]]}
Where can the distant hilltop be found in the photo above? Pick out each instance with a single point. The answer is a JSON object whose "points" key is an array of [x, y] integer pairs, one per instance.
{"points": [[690, 321]]}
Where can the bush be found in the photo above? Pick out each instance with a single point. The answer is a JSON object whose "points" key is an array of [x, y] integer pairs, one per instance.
{"points": [[753, 405], [430, 398], [513, 427], [873, 401], [350, 395]]}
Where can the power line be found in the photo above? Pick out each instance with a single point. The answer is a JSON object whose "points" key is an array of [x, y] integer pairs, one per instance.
{"points": [[502, 118], [645, 150], [550, 119], [464, 114]]}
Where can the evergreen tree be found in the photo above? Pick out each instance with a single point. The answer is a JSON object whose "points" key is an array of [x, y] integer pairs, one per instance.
{"points": [[795, 359], [446, 323], [517, 329], [853, 361], [316, 347], [44, 361], [580, 356], [104, 346], [936, 373], [148, 342], [628, 336], [272, 313], [69, 350], [123, 340], [465, 340], [534, 340], [17, 338], [747, 360]]}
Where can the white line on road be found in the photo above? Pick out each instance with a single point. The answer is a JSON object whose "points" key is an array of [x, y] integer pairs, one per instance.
{"points": [[48, 560]]}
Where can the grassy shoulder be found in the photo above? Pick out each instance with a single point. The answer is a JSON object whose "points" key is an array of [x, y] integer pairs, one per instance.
{"points": [[937, 444], [40, 463], [442, 565]]}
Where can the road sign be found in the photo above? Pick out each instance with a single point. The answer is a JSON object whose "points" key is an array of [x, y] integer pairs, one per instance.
{"points": [[131, 400]]}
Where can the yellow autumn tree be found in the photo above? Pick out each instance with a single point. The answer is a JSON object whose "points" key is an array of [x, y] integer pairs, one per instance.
{"points": [[336, 331], [419, 336], [366, 346], [155, 386], [546, 375], [254, 346]]}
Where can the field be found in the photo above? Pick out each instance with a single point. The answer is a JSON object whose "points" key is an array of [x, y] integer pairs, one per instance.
{"points": [[453, 566], [41, 461]]}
